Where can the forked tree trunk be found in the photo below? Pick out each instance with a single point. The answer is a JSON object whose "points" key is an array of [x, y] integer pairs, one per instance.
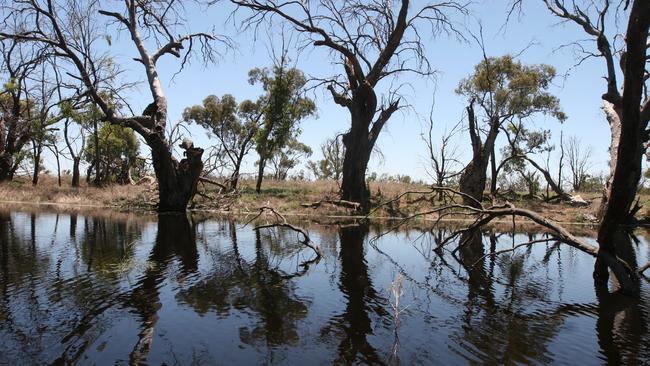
{"points": [[176, 180], [472, 181]]}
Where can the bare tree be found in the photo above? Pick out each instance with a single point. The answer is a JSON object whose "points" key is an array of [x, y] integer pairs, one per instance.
{"points": [[444, 163], [579, 161], [371, 41], [71, 30]]}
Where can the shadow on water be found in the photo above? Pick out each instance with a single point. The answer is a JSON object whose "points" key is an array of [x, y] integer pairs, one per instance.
{"points": [[78, 288]]}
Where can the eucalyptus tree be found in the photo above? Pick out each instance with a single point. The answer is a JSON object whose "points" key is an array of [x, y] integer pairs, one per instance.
{"points": [[234, 125], [504, 90], [373, 43], [284, 108], [119, 149], [523, 144], [75, 32]]}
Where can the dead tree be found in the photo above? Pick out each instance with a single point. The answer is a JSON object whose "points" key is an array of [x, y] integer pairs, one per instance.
{"points": [[71, 30], [443, 157], [371, 42], [578, 161]]}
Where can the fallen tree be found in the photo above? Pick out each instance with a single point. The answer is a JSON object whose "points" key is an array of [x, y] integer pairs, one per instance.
{"points": [[626, 276]]}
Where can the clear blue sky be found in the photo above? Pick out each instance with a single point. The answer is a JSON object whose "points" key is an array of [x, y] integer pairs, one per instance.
{"points": [[400, 141]]}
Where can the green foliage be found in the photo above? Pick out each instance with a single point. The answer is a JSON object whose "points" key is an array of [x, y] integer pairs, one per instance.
{"points": [[506, 88], [284, 107], [118, 150], [234, 125]]}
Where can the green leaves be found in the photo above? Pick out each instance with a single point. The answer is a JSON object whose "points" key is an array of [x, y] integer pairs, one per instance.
{"points": [[285, 107], [508, 89]]}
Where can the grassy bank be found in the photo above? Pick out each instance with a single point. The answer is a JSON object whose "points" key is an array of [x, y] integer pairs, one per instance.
{"points": [[287, 197]]}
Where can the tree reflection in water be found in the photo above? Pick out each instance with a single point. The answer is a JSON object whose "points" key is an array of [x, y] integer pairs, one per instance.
{"points": [[256, 285], [356, 285], [107, 290]]}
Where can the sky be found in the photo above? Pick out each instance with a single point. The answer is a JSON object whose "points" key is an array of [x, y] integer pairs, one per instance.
{"points": [[535, 33]]}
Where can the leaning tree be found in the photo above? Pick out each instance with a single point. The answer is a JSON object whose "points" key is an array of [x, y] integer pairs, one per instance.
{"points": [[371, 41], [75, 31], [505, 91]]}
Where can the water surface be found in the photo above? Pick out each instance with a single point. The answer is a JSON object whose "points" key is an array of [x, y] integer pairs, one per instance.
{"points": [[83, 289]]}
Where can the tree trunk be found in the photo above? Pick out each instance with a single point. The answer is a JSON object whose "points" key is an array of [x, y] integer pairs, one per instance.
{"points": [[358, 148], [234, 177], [260, 174], [628, 150], [96, 164], [58, 167], [75, 171], [620, 191], [472, 181], [6, 165], [37, 163], [357, 155], [176, 181], [494, 173]]}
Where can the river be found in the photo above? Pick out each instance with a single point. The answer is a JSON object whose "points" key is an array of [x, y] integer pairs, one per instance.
{"points": [[107, 288]]}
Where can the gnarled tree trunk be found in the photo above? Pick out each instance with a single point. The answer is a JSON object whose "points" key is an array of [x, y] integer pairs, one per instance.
{"points": [[176, 180], [357, 156], [359, 142]]}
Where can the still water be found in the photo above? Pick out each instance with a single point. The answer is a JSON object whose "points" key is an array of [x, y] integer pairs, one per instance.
{"points": [[82, 289]]}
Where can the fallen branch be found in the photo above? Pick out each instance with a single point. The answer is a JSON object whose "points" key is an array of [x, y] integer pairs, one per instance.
{"points": [[211, 181], [625, 275], [341, 203], [306, 240]]}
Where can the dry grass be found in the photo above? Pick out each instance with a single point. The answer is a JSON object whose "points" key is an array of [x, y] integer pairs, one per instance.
{"points": [[48, 192], [285, 196]]}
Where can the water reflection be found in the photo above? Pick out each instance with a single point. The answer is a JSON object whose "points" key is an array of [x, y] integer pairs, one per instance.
{"points": [[173, 289], [362, 299], [256, 285]]}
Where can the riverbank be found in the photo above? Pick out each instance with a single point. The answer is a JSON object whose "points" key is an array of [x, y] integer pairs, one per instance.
{"points": [[292, 198]]}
